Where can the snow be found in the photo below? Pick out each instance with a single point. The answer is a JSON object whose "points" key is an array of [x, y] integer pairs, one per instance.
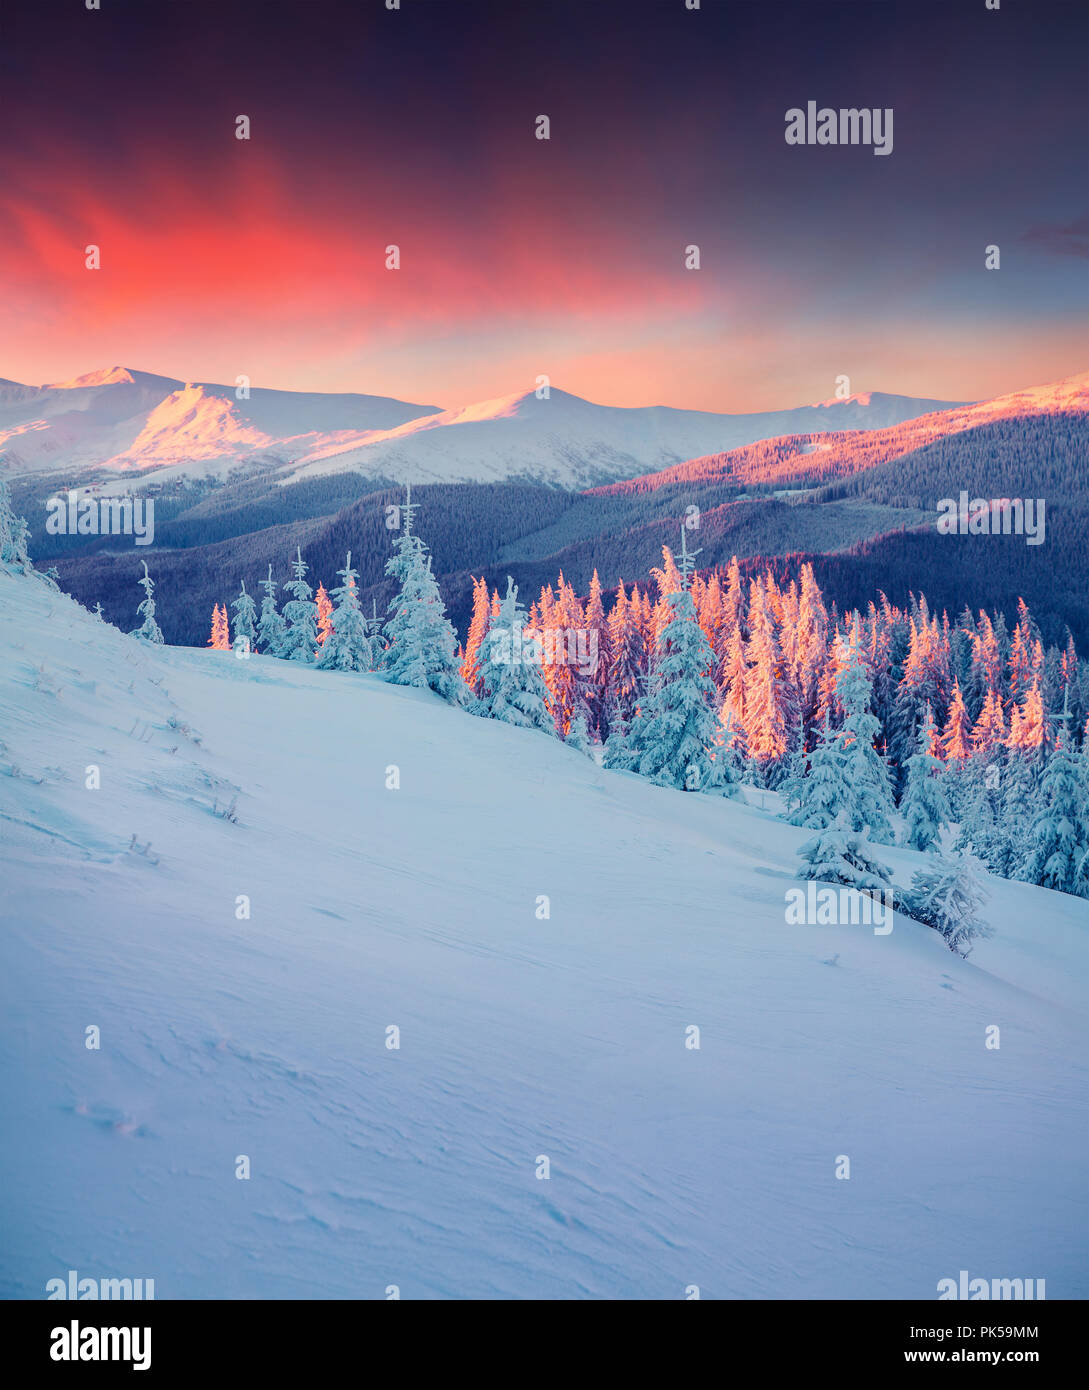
{"points": [[139, 425], [565, 440], [520, 1036], [135, 423]]}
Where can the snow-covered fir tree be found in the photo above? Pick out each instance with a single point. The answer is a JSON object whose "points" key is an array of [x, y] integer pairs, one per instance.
{"points": [[245, 617], [820, 795], [1020, 780], [923, 805], [422, 648], [300, 641], [271, 629], [980, 800], [675, 735], [478, 625], [219, 640], [578, 736], [324, 605], [1056, 842], [347, 646], [148, 631], [13, 533], [946, 894], [870, 804], [508, 661], [837, 855]]}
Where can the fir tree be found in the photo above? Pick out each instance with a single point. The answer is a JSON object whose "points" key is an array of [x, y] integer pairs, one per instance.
{"points": [[836, 855], [675, 735], [270, 633], [219, 640], [478, 626], [945, 894], [324, 604], [1057, 839], [148, 631], [347, 646], [512, 688], [300, 641], [766, 704], [422, 642], [626, 659], [956, 734], [980, 807], [1019, 785], [245, 615], [924, 806], [13, 534], [578, 736], [870, 803], [822, 792]]}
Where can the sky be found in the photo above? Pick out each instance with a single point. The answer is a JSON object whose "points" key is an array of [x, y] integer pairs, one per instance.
{"points": [[564, 257]]}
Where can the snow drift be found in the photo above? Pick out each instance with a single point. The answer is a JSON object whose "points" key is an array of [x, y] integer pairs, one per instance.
{"points": [[543, 934]]}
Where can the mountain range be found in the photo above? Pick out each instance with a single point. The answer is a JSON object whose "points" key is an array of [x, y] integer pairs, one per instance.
{"points": [[531, 487], [140, 426]]}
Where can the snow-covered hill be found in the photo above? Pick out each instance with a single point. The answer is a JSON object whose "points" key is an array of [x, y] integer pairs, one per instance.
{"points": [[133, 423], [566, 440], [138, 426], [521, 1035]]}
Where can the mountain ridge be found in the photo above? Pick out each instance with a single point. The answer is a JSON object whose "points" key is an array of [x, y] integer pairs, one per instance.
{"points": [[139, 425]]}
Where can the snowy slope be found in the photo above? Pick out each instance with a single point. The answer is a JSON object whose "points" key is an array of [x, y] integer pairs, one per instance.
{"points": [[132, 422], [566, 440], [520, 1037]]}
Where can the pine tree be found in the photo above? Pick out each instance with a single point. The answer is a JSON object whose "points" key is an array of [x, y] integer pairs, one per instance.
{"points": [[1020, 777], [821, 791], [767, 709], [270, 633], [578, 736], [597, 682], [422, 642], [978, 806], [1028, 722], [509, 660], [300, 641], [836, 855], [990, 727], [945, 894], [13, 534], [478, 626], [148, 631], [924, 806], [1057, 838], [347, 646], [870, 804], [219, 641], [245, 615], [956, 734], [675, 736], [324, 605]]}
